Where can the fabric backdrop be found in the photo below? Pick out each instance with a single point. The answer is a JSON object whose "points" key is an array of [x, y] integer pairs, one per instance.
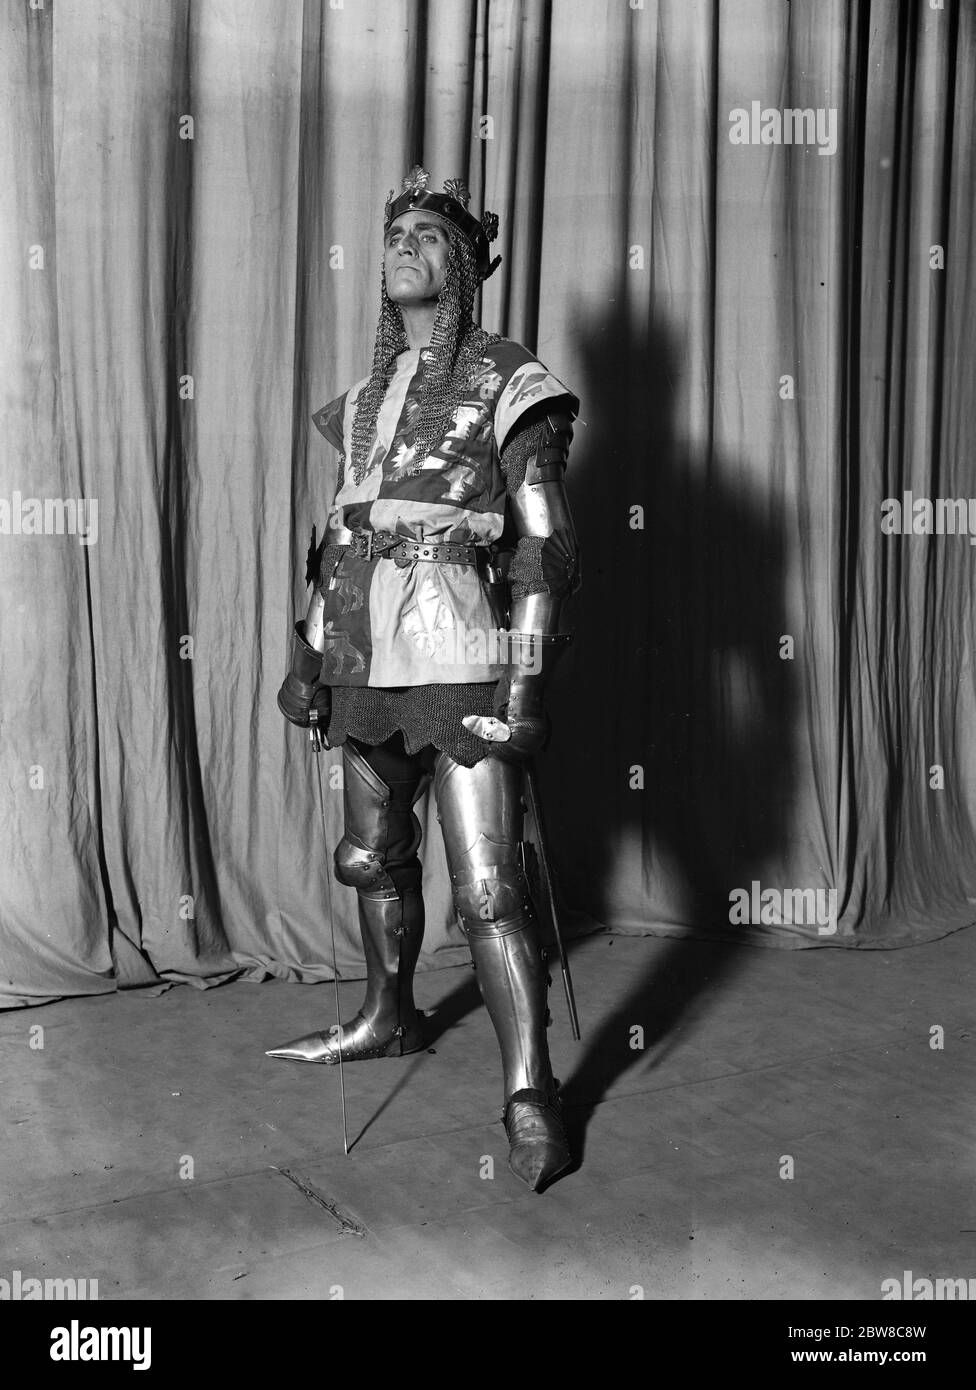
{"points": [[766, 689]]}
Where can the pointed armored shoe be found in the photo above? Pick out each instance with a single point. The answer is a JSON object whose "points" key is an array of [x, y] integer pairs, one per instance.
{"points": [[359, 1044], [539, 1149]]}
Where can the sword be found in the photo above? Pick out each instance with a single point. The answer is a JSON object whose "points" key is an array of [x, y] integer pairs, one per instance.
{"points": [[535, 806], [317, 739]]}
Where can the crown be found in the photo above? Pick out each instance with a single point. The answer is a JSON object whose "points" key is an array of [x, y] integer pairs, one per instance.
{"points": [[452, 206]]}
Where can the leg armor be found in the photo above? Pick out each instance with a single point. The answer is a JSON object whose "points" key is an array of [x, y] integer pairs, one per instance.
{"points": [[480, 809], [378, 857]]}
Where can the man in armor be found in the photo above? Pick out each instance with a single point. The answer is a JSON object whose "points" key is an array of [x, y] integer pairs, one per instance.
{"points": [[425, 661]]}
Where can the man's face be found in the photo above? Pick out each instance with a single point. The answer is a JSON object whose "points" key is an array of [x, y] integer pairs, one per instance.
{"points": [[416, 254]]}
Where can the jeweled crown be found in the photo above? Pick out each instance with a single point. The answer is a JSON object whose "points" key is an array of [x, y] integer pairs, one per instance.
{"points": [[451, 205]]}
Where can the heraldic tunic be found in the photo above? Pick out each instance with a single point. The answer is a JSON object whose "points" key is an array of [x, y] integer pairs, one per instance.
{"points": [[413, 645]]}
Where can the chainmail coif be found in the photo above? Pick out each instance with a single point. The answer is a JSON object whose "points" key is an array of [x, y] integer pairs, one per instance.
{"points": [[457, 346]]}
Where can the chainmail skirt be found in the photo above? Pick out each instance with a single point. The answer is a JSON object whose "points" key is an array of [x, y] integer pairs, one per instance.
{"points": [[424, 714]]}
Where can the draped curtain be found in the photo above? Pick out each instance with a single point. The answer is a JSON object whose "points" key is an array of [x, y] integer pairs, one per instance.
{"points": [[766, 692]]}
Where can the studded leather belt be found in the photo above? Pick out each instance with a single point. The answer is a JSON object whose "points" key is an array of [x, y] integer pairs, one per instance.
{"points": [[387, 545]]}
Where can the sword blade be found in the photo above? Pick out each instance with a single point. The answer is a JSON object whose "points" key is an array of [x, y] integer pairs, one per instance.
{"points": [[315, 735], [535, 807]]}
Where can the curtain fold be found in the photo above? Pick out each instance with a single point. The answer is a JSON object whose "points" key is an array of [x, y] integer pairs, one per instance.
{"points": [[767, 692]]}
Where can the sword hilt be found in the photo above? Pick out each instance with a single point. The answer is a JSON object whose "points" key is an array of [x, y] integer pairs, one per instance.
{"points": [[316, 736]]}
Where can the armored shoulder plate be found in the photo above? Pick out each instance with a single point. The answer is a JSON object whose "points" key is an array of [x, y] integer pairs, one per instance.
{"points": [[549, 462]]}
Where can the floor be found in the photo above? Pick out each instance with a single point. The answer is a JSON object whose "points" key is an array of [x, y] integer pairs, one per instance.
{"points": [[752, 1124]]}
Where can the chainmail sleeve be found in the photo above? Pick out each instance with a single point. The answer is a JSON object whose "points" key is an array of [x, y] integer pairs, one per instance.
{"points": [[519, 448]]}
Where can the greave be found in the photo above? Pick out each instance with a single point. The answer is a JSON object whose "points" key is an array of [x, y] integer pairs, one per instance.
{"points": [[392, 929], [388, 1024], [378, 857], [513, 980], [481, 815]]}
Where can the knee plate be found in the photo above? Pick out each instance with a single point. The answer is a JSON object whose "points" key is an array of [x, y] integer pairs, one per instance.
{"points": [[491, 893], [364, 869], [378, 852], [481, 816]]}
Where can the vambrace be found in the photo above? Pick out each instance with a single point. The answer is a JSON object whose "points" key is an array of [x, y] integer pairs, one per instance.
{"points": [[543, 571], [546, 559], [314, 633]]}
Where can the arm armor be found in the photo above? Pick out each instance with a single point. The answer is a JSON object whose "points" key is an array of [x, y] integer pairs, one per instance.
{"points": [[543, 572], [313, 633], [546, 561], [301, 690]]}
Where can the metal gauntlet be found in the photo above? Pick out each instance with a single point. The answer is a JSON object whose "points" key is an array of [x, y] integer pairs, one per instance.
{"points": [[301, 690], [520, 696]]}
